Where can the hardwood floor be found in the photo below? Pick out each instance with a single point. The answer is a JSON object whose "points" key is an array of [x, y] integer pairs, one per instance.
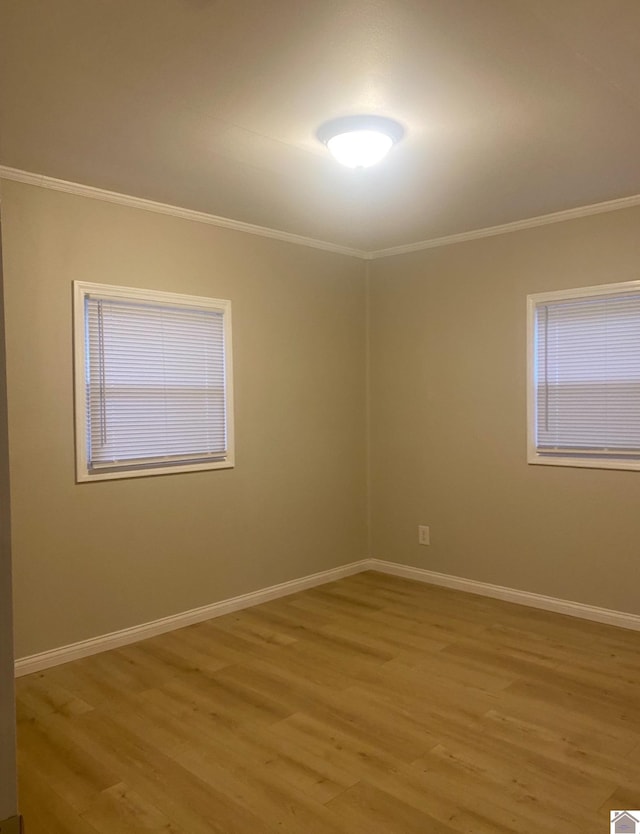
{"points": [[373, 705]]}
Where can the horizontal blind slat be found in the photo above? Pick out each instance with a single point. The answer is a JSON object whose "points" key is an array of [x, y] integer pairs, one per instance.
{"points": [[155, 382], [587, 369]]}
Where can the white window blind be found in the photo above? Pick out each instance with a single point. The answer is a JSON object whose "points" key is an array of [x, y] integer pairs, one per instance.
{"points": [[155, 383], [587, 375]]}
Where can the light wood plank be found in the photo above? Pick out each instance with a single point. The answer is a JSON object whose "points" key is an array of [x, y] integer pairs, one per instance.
{"points": [[374, 704]]}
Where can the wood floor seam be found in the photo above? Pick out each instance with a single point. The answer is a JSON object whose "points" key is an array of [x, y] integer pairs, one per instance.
{"points": [[373, 705]]}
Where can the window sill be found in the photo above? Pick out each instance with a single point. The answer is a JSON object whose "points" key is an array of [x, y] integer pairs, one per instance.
{"points": [[111, 475], [583, 463]]}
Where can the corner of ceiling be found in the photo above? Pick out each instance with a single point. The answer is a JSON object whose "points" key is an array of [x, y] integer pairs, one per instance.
{"points": [[27, 177]]}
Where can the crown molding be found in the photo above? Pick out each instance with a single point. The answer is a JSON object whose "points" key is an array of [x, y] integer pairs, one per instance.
{"points": [[54, 184], [506, 228], [43, 181]]}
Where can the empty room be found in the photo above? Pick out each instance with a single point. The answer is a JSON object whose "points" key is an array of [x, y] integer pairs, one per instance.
{"points": [[319, 417]]}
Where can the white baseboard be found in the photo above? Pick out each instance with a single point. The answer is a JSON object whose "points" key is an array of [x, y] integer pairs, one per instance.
{"points": [[64, 654], [74, 651], [485, 589]]}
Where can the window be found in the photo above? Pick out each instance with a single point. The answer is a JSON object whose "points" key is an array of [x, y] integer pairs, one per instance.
{"points": [[153, 382], [584, 377]]}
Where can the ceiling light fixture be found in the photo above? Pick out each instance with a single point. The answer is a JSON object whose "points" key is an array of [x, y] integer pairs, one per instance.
{"points": [[360, 141]]}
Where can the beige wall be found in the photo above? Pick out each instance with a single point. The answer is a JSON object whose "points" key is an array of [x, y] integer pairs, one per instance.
{"points": [[448, 419], [8, 794], [94, 558]]}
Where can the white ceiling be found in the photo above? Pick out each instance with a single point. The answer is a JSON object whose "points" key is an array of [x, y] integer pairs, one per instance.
{"points": [[512, 108]]}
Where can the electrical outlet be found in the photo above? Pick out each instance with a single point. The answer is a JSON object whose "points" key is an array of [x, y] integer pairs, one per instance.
{"points": [[423, 534]]}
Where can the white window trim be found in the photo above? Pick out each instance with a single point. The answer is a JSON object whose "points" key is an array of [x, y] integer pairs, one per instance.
{"points": [[532, 454], [82, 289]]}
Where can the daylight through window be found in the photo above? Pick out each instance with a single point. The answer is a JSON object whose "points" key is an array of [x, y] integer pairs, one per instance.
{"points": [[584, 377], [153, 382]]}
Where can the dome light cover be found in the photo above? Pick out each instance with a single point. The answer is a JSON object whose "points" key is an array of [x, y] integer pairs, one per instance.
{"points": [[360, 141]]}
